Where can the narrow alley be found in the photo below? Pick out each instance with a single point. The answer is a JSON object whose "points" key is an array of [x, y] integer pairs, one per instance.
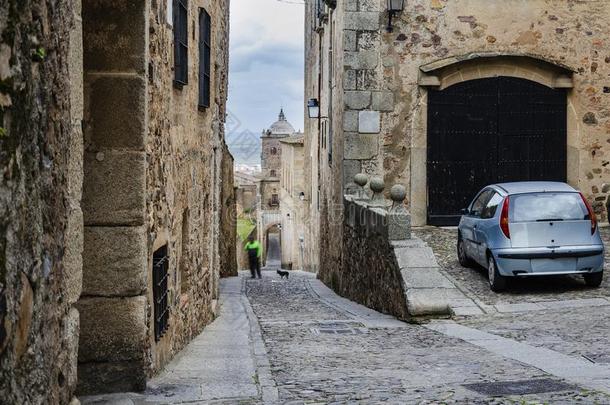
{"points": [[297, 342], [304, 202]]}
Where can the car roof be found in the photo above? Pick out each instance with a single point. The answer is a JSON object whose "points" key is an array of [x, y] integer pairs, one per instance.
{"points": [[522, 187]]}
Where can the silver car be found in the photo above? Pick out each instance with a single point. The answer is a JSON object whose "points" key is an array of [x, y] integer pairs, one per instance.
{"points": [[531, 229]]}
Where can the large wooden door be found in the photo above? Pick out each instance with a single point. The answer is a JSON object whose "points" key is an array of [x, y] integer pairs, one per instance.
{"points": [[488, 131]]}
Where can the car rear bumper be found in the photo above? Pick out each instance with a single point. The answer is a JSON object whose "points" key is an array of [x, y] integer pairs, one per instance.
{"points": [[549, 261]]}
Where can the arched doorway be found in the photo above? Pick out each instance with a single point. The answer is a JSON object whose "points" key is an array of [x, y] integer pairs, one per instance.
{"points": [[491, 130], [273, 249]]}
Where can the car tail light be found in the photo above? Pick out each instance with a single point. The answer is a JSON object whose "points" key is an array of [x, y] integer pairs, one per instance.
{"points": [[592, 216], [504, 218]]}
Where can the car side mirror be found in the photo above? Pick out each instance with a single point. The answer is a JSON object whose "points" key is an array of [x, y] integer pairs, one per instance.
{"points": [[465, 211]]}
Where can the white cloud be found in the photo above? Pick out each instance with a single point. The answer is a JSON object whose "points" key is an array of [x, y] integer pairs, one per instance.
{"points": [[266, 70]]}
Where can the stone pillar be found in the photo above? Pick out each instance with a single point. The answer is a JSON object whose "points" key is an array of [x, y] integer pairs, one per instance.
{"points": [[113, 305], [364, 96]]}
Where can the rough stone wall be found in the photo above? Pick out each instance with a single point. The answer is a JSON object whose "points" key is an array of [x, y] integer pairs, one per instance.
{"points": [[153, 178], [311, 142], [40, 192], [332, 151], [245, 199], [292, 207], [567, 33], [185, 176], [228, 218], [370, 274]]}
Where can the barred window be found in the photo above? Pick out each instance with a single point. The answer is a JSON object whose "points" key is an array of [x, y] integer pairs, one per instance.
{"points": [[180, 43], [160, 292], [205, 62]]}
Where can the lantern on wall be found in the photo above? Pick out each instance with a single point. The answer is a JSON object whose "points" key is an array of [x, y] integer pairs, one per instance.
{"points": [[394, 7], [313, 108]]}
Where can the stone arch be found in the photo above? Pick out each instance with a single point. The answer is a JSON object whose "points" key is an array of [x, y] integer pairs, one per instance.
{"points": [[266, 243], [447, 72]]}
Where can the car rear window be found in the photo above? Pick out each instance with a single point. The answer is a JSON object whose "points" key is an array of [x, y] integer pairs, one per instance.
{"points": [[548, 206]]}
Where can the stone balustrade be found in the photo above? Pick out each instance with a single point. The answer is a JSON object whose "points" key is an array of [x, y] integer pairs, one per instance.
{"points": [[384, 267]]}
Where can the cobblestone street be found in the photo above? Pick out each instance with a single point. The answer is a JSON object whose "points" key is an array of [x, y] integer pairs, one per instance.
{"points": [[305, 344], [321, 354], [474, 281]]}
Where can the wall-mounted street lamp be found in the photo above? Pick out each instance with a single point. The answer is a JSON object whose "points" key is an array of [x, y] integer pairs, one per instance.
{"points": [[313, 108], [394, 7]]}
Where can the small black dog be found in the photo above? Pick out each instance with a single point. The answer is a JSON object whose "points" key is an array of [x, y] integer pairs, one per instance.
{"points": [[283, 274]]}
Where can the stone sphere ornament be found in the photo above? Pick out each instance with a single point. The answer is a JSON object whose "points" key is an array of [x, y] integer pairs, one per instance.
{"points": [[377, 185], [361, 179], [398, 193]]}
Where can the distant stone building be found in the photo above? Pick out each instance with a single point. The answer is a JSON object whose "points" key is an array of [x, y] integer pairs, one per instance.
{"points": [[271, 175], [455, 95], [292, 202], [246, 194], [116, 187]]}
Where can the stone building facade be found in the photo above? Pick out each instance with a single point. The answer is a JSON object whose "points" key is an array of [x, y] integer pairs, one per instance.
{"points": [[292, 202], [269, 187], [246, 186], [457, 94], [123, 196]]}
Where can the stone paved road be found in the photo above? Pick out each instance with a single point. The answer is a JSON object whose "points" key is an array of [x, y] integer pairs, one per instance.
{"points": [[296, 342], [577, 332], [320, 354], [474, 281]]}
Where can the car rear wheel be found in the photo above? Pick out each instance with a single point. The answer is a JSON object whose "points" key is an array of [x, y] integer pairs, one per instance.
{"points": [[594, 279], [497, 282], [463, 258]]}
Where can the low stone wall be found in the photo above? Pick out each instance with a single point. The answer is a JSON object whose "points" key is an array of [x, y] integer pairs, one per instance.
{"points": [[371, 275], [387, 269]]}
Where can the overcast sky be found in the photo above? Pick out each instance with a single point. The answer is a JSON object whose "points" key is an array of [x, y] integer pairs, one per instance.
{"points": [[266, 63]]}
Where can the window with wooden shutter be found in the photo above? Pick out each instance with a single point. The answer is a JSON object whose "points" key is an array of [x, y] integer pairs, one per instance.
{"points": [[205, 62], [180, 43]]}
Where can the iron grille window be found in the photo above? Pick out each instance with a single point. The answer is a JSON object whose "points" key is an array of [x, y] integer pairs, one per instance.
{"points": [[160, 292], [205, 62], [275, 199], [180, 43]]}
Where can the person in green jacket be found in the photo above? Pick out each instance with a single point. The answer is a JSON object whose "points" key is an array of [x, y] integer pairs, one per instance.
{"points": [[254, 249]]}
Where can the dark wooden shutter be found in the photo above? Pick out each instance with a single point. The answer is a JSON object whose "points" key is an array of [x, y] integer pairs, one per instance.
{"points": [[180, 43], [205, 62]]}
